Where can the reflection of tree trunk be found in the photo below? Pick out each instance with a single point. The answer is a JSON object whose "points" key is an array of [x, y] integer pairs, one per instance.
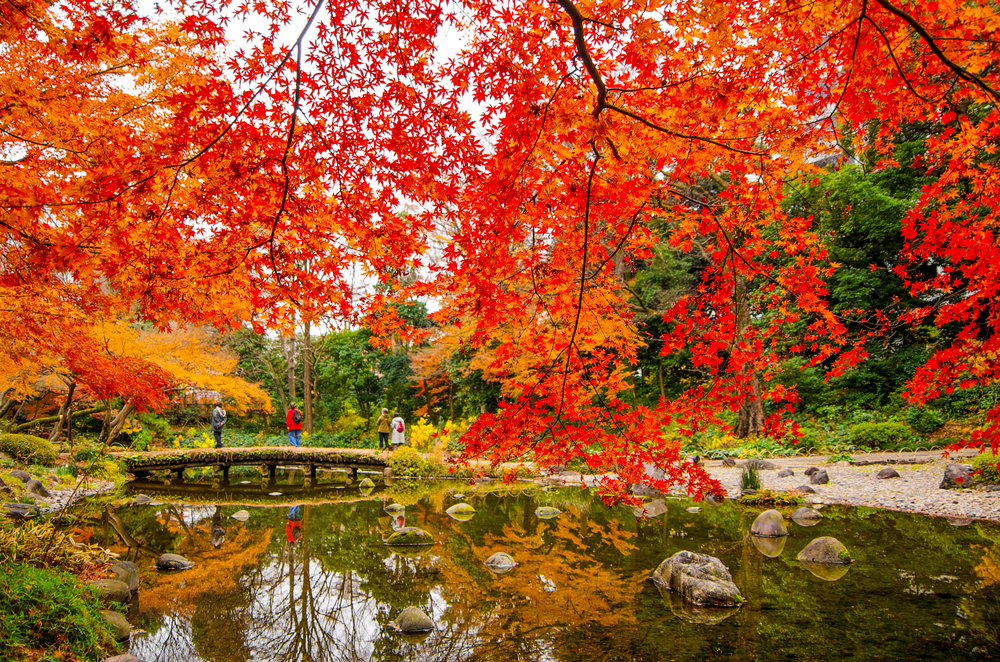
{"points": [[750, 420], [749, 580], [307, 423]]}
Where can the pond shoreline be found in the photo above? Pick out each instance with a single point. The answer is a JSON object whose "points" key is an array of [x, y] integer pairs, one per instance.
{"points": [[917, 490]]}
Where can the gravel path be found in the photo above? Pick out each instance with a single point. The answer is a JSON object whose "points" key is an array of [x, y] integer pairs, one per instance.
{"points": [[916, 490]]}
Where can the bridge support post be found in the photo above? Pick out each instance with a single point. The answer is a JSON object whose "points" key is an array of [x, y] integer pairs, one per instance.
{"points": [[353, 473], [225, 472], [180, 474], [273, 470], [312, 474]]}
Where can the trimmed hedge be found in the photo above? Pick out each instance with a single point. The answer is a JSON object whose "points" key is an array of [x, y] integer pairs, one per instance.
{"points": [[882, 436], [28, 448]]}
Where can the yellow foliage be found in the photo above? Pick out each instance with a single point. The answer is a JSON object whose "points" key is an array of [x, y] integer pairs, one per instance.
{"points": [[425, 436], [193, 356]]}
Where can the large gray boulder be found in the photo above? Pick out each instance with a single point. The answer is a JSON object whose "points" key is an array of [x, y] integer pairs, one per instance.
{"points": [[698, 578], [173, 562], [413, 619], [120, 626], [825, 551], [819, 478], [956, 476], [769, 524], [112, 590], [126, 572], [36, 487], [22, 476]]}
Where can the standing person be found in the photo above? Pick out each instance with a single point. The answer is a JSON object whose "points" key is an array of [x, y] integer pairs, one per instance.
{"points": [[218, 422], [293, 421], [398, 430], [383, 429]]}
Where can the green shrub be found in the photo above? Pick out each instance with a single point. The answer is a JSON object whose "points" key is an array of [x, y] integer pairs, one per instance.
{"points": [[28, 448], [158, 427], [880, 435], [985, 465], [407, 461], [924, 420], [87, 452], [48, 610]]}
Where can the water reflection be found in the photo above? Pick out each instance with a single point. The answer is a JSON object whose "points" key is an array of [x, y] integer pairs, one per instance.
{"points": [[327, 588]]}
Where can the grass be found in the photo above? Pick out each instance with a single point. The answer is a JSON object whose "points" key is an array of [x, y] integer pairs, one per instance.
{"points": [[48, 614]]}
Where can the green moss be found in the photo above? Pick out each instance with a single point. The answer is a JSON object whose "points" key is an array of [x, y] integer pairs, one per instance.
{"points": [[28, 448], [844, 556], [769, 498]]}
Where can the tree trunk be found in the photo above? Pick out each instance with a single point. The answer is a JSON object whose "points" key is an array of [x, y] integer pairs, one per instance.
{"points": [[288, 346], [58, 428], [307, 423], [750, 420], [50, 419], [113, 426]]}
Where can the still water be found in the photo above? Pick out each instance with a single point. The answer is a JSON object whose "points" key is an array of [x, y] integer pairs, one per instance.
{"points": [[325, 587]]}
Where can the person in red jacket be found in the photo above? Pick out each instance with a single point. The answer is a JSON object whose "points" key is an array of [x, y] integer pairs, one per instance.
{"points": [[294, 424]]}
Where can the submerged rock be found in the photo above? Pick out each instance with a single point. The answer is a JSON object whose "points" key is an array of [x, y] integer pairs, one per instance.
{"points": [[413, 619], [463, 512], [956, 476], [410, 535], [694, 509], [698, 578], [366, 482], [654, 508], [501, 563], [457, 496], [826, 551], [240, 516], [395, 509], [888, 472], [769, 524], [173, 562], [547, 512], [828, 572]]}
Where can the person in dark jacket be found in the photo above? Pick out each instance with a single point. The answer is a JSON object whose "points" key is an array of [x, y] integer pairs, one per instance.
{"points": [[383, 429], [218, 422], [294, 424]]}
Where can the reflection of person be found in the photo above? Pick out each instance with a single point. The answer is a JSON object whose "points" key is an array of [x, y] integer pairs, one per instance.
{"points": [[293, 529], [294, 424], [398, 430], [383, 429], [218, 422]]}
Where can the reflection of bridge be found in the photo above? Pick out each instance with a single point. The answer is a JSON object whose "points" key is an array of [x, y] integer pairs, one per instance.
{"points": [[267, 458]]}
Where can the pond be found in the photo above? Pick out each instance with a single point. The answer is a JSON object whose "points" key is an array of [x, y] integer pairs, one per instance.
{"points": [[325, 587]]}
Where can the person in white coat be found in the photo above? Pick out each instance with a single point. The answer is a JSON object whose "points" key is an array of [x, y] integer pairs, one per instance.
{"points": [[398, 430]]}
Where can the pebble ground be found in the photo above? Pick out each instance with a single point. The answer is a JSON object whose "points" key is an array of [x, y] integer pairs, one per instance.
{"points": [[916, 490]]}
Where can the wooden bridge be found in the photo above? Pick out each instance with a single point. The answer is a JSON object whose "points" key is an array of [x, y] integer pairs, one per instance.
{"points": [[267, 458]]}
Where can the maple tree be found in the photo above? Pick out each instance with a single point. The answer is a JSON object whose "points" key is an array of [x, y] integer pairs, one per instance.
{"points": [[153, 164]]}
